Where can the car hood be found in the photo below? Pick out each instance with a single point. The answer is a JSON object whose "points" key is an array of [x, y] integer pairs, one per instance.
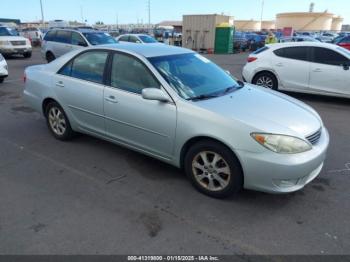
{"points": [[266, 111]]}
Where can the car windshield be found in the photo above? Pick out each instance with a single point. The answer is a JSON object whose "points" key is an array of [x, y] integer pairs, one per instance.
{"points": [[147, 39], [99, 38], [194, 76], [5, 31]]}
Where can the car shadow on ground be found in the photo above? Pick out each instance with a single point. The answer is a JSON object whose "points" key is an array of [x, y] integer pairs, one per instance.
{"points": [[319, 98], [153, 169]]}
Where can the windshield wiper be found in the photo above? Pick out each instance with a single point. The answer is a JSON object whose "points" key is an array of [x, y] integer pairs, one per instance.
{"points": [[234, 88], [202, 97]]}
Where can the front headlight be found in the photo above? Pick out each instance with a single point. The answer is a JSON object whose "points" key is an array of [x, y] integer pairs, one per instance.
{"points": [[4, 43], [282, 144]]}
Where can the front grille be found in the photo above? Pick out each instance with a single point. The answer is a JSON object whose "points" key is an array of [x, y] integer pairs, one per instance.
{"points": [[18, 42], [314, 138]]}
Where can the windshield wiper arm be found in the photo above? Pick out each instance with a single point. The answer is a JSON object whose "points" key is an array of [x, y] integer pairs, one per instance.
{"points": [[202, 97]]}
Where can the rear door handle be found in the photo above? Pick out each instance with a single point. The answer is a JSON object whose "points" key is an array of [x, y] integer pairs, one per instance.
{"points": [[111, 99], [317, 70], [279, 64], [60, 84]]}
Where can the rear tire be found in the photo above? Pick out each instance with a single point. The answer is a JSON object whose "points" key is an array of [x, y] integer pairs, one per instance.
{"points": [[50, 57], [267, 80], [58, 122], [213, 169], [2, 80]]}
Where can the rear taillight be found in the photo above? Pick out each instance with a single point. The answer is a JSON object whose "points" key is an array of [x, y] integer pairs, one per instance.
{"points": [[251, 59]]}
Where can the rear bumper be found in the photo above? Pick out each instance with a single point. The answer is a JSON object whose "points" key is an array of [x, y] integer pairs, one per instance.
{"points": [[277, 173]]}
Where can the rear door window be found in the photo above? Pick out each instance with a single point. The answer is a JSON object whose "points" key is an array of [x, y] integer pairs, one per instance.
{"points": [[90, 66], [63, 37], [124, 38], [296, 53]]}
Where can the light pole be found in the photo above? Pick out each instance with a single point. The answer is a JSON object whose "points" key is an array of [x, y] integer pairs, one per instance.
{"points": [[262, 13], [149, 15], [42, 13]]}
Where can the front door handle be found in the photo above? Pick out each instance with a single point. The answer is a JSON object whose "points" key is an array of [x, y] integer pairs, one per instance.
{"points": [[279, 64], [60, 84], [317, 70], [111, 99]]}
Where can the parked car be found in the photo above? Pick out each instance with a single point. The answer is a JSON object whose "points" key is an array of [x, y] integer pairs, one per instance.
{"points": [[13, 44], [344, 42], [255, 41], [240, 42], [298, 39], [137, 39], [33, 34], [177, 106], [3, 69], [58, 42], [307, 67], [326, 37]]}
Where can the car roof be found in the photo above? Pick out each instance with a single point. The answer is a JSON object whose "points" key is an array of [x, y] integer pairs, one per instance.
{"points": [[292, 44], [150, 50], [76, 30]]}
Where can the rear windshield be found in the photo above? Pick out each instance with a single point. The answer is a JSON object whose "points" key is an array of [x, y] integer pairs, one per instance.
{"points": [[260, 50], [99, 38]]}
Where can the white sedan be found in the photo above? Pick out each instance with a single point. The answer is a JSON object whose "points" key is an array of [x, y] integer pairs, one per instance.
{"points": [[3, 69], [137, 39], [306, 67]]}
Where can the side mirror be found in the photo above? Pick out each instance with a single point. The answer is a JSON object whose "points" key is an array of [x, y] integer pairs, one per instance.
{"points": [[154, 94], [346, 66]]}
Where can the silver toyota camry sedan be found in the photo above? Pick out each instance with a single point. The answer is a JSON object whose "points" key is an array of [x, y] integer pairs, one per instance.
{"points": [[177, 106]]}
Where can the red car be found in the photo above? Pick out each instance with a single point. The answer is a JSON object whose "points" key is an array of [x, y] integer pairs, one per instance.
{"points": [[344, 42]]}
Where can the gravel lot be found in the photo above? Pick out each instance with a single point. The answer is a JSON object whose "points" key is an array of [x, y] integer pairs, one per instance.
{"points": [[91, 197]]}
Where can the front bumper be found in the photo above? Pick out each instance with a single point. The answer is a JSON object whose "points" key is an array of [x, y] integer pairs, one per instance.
{"points": [[14, 50], [3, 71], [277, 173]]}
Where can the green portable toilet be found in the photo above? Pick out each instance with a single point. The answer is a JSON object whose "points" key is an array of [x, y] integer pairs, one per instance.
{"points": [[224, 39]]}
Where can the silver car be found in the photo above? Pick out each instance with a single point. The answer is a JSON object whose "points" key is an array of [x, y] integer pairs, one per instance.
{"points": [[58, 42], [177, 106]]}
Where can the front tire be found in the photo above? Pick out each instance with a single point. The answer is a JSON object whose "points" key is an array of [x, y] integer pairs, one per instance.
{"points": [[27, 55], [57, 122], [267, 80], [2, 80], [213, 169], [50, 57]]}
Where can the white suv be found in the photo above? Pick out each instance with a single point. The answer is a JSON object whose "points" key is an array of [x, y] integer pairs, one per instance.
{"points": [[12, 44], [3, 69]]}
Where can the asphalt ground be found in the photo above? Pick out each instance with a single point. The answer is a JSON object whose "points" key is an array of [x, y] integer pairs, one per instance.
{"points": [[91, 197]]}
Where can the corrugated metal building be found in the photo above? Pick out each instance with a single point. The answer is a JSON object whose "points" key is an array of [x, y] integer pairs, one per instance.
{"points": [[198, 31]]}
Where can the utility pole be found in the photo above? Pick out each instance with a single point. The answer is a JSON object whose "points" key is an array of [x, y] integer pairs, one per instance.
{"points": [[262, 13], [82, 14], [149, 15], [42, 13]]}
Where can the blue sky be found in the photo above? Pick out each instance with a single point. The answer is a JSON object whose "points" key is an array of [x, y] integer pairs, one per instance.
{"points": [[131, 11]]}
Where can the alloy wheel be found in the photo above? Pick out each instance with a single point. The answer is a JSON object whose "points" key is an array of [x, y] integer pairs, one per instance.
{"points": [[57, 121], [211, 171], [265, 81]]}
